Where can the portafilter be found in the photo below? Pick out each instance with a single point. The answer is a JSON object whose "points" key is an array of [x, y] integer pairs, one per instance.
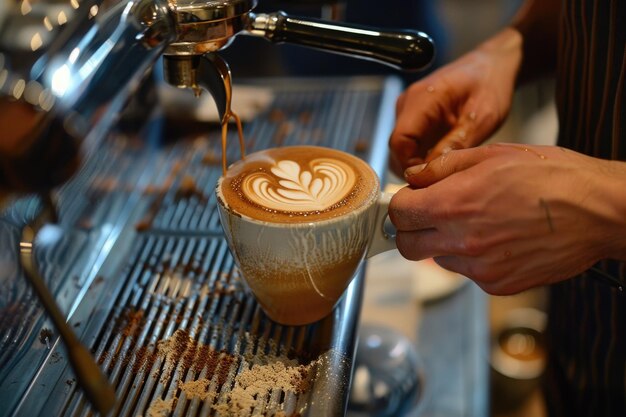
{"points": [[208, 26]]}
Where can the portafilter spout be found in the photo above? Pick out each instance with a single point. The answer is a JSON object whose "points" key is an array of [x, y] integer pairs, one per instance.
{"points": [[197, 72], [211, 73]]}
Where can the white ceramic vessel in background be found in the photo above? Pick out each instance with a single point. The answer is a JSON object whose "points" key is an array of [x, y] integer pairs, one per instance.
{"points": [[298, 271]]}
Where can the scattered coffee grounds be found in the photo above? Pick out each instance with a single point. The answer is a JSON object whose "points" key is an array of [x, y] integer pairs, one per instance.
{"points": [[189, 355], [185, 354], [223, 370], [144, 359], [103, 357], [189, 360], [258, 382], [280, 374], [56, 358], [276, 115], [198, 389], [206, 358], [134, 322], [193, 267], [362, 146], [188, 189], [84, 223], [305, 117], [211, 158], [45, 336], [302, 381], [225, 288], [146, 222], [161, 408], [172, 350], [159, 192], [105, 184]]}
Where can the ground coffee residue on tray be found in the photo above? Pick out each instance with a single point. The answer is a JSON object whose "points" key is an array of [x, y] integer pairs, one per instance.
{"points": [[187, 358], [258, 382], [184, 354], [161, 408]]}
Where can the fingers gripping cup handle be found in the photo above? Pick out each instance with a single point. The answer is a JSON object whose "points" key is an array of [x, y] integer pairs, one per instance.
{"points": [[384, 237]]}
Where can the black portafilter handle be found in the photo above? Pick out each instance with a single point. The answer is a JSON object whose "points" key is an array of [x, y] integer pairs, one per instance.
{"points": [[406, 50]]}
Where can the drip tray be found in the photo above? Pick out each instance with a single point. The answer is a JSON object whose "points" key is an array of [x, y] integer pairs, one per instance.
{"points": [[183, 335], [149, 285]]}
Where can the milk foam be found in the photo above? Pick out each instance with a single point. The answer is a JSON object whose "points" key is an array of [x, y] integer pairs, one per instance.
{"points": [[289, 187]]}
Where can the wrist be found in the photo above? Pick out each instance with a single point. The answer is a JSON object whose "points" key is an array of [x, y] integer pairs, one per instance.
{"points": [[507, 42], [612, 191], [504, 49]]}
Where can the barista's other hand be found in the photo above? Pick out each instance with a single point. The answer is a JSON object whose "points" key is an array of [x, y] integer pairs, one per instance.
{"points": [[457, 106], [511, 217]]}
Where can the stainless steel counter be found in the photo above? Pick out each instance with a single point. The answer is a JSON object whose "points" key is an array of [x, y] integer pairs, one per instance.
{"points": [[453, 341]]}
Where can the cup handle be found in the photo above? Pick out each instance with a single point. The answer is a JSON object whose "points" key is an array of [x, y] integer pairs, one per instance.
{"points": [[384, 237]]}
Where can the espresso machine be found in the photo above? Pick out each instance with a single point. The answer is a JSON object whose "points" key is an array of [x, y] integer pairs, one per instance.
{"points": [[96, 53], [110, 246]]}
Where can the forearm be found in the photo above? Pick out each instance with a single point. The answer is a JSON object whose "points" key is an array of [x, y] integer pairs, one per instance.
{"points": [[537, 22]]}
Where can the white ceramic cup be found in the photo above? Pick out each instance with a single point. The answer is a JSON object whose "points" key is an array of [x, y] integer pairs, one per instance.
{"points": [[299, 271]]}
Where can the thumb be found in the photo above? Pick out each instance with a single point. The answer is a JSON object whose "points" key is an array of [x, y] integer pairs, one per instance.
{"points": [[445, 165]]}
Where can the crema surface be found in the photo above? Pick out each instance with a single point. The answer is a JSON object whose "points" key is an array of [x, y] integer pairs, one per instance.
{"points": [[298, 184]]}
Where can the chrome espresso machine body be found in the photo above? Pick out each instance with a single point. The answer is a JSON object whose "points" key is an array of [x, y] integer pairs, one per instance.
{"points": [[110, 246]]}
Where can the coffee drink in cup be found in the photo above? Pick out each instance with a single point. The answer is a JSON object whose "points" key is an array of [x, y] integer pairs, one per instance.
{"points": [[299, 221]]}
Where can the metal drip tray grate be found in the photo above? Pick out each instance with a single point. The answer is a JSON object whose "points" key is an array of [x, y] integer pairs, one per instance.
{"points": [[182, 330], [148, 283]]}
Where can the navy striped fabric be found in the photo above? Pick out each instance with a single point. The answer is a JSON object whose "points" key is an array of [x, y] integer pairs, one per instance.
{"points": [[586, 373]]}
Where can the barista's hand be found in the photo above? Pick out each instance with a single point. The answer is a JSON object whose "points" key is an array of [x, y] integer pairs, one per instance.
{"points": [[512, 217], [458, 106]]}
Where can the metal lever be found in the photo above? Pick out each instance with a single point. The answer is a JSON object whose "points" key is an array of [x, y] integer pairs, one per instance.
{"points": [[408, 50], [95, 385]]}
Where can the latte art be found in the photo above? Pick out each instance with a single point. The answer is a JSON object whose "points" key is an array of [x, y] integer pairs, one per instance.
{"points": [[289, 187], [298, 184]]}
